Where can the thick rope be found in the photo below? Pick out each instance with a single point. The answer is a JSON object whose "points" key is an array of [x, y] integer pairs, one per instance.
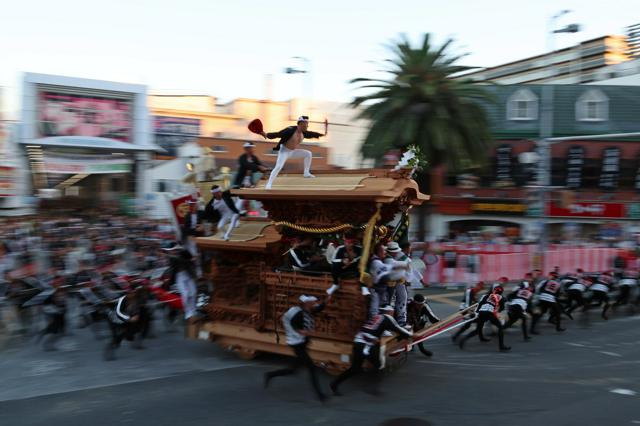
{"points": [[366, 245], [313, 230]]}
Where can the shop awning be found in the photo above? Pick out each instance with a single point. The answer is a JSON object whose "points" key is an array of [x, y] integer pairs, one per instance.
{"points": [[91, 143]]}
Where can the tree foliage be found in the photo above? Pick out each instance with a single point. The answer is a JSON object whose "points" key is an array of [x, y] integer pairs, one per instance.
{"points": [[422, 105]]}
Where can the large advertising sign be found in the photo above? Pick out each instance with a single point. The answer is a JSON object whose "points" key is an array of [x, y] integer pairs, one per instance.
{"points": [[173, 132], [61, 114], [594, 210]]}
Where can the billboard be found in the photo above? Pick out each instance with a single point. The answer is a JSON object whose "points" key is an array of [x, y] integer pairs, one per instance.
{"points": [[172, 132], [594, 210], [61, 114]]}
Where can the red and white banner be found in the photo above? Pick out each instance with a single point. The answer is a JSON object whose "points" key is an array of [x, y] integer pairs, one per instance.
{"points": [[492, 266], [595, 210], [181, 208]]}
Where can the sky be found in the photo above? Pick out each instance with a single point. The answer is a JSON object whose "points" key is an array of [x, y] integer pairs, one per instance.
{"points": [[226, 48]]}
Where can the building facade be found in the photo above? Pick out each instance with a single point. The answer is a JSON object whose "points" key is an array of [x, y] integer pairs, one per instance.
{"points": [[86, 141], [594, 182], [588, 61], [177, 119]]}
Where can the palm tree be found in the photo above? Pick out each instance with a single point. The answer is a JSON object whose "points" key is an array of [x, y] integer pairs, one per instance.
{"points": [[422, 105]]}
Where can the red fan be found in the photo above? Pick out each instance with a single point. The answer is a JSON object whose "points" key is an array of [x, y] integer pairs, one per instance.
{"points": [[256, 126]]}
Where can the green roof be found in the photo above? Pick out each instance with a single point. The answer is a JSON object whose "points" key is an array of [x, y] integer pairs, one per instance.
{"points": [[623, 111]]}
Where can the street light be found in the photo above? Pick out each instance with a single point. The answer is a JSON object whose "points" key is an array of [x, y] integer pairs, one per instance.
{"points": [[543, 145], [306, 70]]}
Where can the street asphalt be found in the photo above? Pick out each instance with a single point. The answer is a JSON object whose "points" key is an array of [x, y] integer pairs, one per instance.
{"points": [[588, 375]]}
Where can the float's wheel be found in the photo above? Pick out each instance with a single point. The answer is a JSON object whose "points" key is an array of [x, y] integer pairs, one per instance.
{"points": [[395, 362], [246, 354], [334, 369]]}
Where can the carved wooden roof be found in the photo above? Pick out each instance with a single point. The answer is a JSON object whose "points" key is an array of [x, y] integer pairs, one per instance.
{"points": [[269, 235], [346, 186], [336, 198]]}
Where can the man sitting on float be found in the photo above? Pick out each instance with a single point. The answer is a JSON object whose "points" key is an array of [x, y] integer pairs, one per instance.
{"points": [[303, 258], [346, 258]]}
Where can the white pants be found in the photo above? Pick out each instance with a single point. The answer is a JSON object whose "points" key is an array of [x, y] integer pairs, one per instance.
{"points": [[401, 304], [232, 219], [187, 288], [233, 223], [191, 246], [283, 155]]}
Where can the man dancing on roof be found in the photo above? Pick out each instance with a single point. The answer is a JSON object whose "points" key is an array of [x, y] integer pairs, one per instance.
{"points": [[290, 138]]}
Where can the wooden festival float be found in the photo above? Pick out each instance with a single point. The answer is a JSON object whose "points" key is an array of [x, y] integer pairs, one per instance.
{"points": [[251, 288]]}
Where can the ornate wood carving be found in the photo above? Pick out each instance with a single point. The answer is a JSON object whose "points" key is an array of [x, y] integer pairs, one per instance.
{"points": [[319, 213], [340, 320]]}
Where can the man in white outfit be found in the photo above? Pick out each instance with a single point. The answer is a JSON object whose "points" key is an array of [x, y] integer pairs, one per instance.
{"points": [[184, 277], [224, 209], [400, 275], [290, 138]]}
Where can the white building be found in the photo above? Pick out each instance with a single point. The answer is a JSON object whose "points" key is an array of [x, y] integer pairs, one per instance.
{"points": [[87, 140]]}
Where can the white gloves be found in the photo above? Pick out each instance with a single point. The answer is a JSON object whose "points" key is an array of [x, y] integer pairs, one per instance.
{"points": [[332, 289]]}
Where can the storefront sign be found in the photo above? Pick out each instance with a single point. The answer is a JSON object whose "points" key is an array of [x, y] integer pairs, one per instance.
{"points": [[98, 167], [468, 181], [173, 132], [504, 176], [637, 182], [633, 210], [575, 162], [595, 210], [7, 181], [61, 114], [610, 169], [499, 208]]}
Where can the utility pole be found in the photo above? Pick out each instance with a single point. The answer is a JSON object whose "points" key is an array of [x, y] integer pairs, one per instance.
{"points": [[543, 146]]}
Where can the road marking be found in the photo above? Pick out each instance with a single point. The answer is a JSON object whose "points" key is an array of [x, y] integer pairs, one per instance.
{"points": [[464, 364], [69, 389], [628, 392], [609, 353], [446, 298]]}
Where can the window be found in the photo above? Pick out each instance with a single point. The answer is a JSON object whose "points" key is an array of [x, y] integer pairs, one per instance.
{"points": [[219, 148], [522, 106], [116, 184], [592, 105]]}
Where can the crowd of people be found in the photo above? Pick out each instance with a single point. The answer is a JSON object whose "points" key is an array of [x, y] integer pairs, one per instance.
{"points": [[117, 270], [392, 312], [91, 269]]}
